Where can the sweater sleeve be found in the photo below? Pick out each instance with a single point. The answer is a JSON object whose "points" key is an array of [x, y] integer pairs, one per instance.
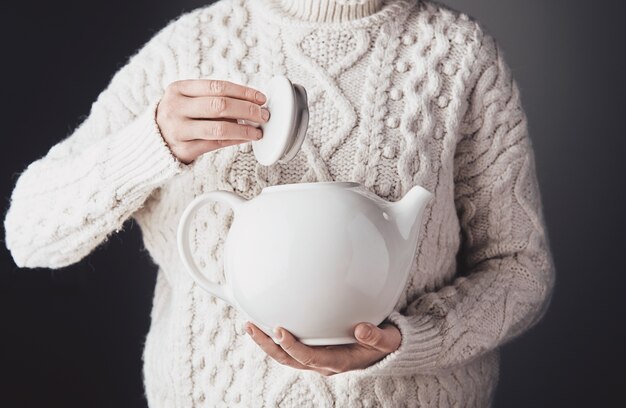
{"points": [[68, 202], [505, 271]]}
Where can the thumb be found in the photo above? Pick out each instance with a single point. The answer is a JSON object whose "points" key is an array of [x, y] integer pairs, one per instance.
{"points": [[386, 340]]}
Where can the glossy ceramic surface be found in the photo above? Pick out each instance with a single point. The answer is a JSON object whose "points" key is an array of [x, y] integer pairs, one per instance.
{"points": [[315, 258]]}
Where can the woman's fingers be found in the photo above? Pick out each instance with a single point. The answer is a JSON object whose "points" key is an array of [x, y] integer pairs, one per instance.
{"points": [[329, 358], [197, 137], [272, 349], [219, 130], [386, 338], [214, 87], [185, 111], [213, 107], [338, 358], [374, 345]]}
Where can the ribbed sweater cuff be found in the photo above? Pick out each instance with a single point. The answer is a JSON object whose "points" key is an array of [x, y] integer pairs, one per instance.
{"points": [[138, 159], [419, 350]]}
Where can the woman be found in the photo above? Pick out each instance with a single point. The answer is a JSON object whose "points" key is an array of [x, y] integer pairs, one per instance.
{"points": [[401, 93]]}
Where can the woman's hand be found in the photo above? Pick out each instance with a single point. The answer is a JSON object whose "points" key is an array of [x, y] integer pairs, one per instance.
{"points": [[196, 116], [373, 343]]}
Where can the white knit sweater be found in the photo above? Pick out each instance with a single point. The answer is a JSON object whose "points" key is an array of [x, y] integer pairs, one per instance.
{"points": [[401, 92]]}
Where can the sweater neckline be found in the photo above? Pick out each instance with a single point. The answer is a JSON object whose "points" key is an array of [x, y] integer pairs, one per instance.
{"points": [[275, 12], [330, 10]]}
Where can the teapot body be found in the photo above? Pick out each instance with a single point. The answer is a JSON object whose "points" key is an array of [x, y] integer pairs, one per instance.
{"points": [[316, 259]]}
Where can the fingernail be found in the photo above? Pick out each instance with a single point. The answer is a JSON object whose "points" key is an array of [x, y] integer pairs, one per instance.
{"points": [[265, 114], [364, 332], [259, 134], [278, 333], [259, 97], [248, 329]]}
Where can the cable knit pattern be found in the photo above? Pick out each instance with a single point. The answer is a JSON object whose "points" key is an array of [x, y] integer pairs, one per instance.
{"points": [[401, 93]]}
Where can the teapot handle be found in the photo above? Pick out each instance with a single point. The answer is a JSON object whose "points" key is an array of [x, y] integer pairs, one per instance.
{"points": [[223, 292]]}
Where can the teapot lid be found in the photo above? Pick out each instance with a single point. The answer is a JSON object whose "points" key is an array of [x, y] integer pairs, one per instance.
{"points": [[284, 132]]}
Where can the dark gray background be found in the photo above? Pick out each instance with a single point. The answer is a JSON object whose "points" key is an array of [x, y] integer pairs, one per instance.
{"points": [[73, 337]]}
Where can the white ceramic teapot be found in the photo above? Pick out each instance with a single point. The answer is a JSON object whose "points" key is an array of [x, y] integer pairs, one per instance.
{"points": [[314, 258]]}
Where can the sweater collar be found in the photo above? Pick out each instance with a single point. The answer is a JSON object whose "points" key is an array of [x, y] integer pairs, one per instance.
{"points": [[274, 12], [329, 11]]}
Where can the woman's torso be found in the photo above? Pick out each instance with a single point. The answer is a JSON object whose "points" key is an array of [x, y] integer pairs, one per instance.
{"points": [[385, 103]]}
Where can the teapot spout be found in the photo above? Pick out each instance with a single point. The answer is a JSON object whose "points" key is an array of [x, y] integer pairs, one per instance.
{"points": [[408, 211]]}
